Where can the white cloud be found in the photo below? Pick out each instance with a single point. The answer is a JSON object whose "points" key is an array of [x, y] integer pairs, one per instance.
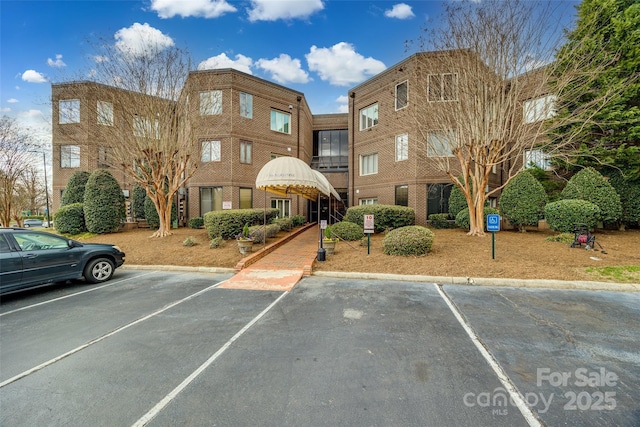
{"points": [[12, 101], [33, 76], [57, 63], [284, 70], [399, 11], [100, 58], [343, 104], [197, 8], [5, 110], [341, 65], [141, 39], [273, 10], [241, 63]]}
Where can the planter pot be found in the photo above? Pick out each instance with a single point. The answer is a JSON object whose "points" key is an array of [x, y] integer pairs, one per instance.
{"points": [[245, 246], [329, 246]]}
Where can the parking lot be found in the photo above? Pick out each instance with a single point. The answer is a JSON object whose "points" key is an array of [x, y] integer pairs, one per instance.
{"points": [[167, 348]]}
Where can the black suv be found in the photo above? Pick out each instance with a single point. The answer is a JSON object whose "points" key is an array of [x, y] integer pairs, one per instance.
{"points": [[31, 258]]}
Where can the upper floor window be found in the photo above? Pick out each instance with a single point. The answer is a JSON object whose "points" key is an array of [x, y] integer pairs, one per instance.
{"points": [[370, 201], [539, 108], [210, 151], [442, 87], [369, 164], [69, 156], [369, 116], [280, 122], [537, 158], [69, 111], [402, 95], [211, 103], [105, 113], [246, 148], [440, 143], [144, 128], [402, 147], [246, 105]]}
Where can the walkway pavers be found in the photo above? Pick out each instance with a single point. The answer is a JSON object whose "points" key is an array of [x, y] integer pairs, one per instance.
{"points": [[282, 268]]}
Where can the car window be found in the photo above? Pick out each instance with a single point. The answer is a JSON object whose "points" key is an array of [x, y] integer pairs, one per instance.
{"points": [[37, 242], [4, 245]]}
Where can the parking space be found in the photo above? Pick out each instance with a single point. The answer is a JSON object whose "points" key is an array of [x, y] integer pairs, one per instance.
{"points": [[158, 348]]}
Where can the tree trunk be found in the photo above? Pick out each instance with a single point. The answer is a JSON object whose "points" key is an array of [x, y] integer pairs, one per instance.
{"points": [[164, 215]]}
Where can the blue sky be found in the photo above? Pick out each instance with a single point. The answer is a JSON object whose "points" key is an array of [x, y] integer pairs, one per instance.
{"points": [[321, 48]]}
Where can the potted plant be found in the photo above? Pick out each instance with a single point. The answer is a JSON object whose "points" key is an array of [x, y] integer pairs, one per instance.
{"points": [[245, 241], [329, 241]]}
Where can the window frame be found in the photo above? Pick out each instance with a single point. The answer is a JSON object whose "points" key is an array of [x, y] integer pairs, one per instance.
{"points": [[540, 108], [68, 111], [363, 158], [283, 205], [280, 121], [240, 191], [216, 205], [442, 95], [401, 187], [538, 157], [246, 105], [368, 201], [402, 153], [104, 117], [406, 95], [440, 132], [72, 158], [212, 106], [246, 152], [211, 158], [369, 116]]}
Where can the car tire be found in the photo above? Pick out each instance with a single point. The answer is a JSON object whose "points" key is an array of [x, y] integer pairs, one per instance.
{"points": [[98, 270]]}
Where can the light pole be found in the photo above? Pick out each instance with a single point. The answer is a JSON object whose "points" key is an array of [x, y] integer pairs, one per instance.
{"points": [[46, 187]]}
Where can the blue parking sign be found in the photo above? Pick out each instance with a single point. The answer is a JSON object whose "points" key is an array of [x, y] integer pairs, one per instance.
{"points": [[493, 222]]}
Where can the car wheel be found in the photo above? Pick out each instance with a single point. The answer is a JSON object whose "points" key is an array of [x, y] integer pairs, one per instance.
{"points": [[98, 270]]}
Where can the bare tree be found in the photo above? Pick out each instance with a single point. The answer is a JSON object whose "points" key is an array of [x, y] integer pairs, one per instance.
{"points": [[490, 85], [143, 119], [17, 157]]}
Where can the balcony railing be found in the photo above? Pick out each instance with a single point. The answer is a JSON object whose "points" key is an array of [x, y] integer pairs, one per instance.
{"points": [[329, 162]]}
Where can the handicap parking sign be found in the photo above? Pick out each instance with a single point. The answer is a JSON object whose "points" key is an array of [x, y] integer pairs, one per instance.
{"points": [[493, 222]]}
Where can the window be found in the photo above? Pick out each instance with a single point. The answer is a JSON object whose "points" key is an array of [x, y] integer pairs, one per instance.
{"points": [[245, 151], [369, 117], [210, 151], [211, 103], [69, 111], [144, 128], [438, 198], [283, 205], [210, 199], [280, 122], [402, 147], [330, 149], [402, 95], [69, 156], [536, 158], [40, 242], [246, 198], [402, 195], [246, 105], [539, 108], [369, 164], [103, 157], [105, 113], [442, 87], [440, 143], [372, 201]]}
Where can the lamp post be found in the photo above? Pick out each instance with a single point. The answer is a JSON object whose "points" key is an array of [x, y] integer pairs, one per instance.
{"points": [[46, 187]]}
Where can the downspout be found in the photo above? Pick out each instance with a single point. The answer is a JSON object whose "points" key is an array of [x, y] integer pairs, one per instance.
{"points": [[298, 99], [351, 200]]}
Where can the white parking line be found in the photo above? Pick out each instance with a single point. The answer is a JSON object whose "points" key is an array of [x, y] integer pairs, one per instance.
{"points": [[515, 394], [146, 418], [105, 336], [73, 294]]}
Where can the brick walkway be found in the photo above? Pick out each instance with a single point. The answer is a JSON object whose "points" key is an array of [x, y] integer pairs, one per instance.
{"points": [[282, 268]]}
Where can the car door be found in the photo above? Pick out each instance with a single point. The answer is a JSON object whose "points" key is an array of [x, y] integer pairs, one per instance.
{"points": [[46, 257], [10, 266]]}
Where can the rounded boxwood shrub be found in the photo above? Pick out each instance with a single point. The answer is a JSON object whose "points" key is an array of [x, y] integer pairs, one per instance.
{"points": [[439, 221], [74, 190], [137, 202], [230, 222], [385, 216], [563, 215], [411, 240], [457, 202], [104, 206], [197, 222], [285, 223], [462, 219], [523, 200], [346, 230], [590, 185], [69, 219], [298, 220]]}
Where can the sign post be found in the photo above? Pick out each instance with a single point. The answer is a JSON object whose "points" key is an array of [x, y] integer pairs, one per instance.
{"points": [[368, 229], [493, 225]]}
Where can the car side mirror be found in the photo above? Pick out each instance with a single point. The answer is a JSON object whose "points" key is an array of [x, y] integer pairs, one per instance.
{"points": [[74, 243]]}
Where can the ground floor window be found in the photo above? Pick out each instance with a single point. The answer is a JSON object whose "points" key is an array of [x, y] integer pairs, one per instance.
{"points": [[402, 195], [370, 201], [283, 205], [438, 198], [246, 198], [210, 199]]}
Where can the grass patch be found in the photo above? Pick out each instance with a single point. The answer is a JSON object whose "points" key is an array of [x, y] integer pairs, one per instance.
{"points": [[622, 274]]}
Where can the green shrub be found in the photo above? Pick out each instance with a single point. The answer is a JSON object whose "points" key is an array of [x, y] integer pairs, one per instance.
{"points": [[104, 205], [298, 220], [258, 232], [137, 202], [69, 219], [457, 202], [74, 190], [440, 221], [385, 216], [229, 223], [589, 185], [346, 230], [151, 214], [523, 200], [284, 223], [197, 222], [216, 242], [629, 191], [410, 240], [563, 215], [190, 241], [462, 219]]}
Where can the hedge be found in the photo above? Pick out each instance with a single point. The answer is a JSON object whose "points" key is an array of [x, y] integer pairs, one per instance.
{"points": [[346, 230], [629, 191], [439, 221], [229, 223], [563, 215], [384, 216], [411, 240], [590, 185], [104, 205], [523, 200]]}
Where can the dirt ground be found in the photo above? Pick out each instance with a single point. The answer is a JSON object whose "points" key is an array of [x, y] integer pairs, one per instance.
{"points": [[517, 255]]}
